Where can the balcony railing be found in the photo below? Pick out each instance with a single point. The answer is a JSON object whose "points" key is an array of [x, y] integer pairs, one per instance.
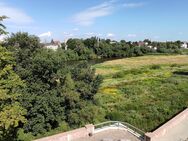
{"points": [[123, 125]]}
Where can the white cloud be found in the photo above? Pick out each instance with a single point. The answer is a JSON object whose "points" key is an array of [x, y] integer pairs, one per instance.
{"points": [[131, 35], [21, 27], [133, 5], [90, 34], [110, 35], [46, 34], [16, 16], [180, 33], [99, 34], [66, 34], [88, 16], [76, 29]]}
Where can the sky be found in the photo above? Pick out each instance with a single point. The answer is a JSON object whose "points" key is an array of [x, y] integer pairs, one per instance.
{"points": [[130, 20]]}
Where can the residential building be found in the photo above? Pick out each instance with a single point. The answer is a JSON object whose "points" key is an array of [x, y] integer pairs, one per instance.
{"points": [[53, 45], [184, 45]]}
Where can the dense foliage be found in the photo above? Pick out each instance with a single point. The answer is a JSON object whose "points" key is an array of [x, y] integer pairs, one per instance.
{"points": [[94, 47], [11, 111], [55, 94]]}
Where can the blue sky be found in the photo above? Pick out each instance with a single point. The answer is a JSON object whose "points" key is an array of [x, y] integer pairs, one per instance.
{"points": [[116, 19]]}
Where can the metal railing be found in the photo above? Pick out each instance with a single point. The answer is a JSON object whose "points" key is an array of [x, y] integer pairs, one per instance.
{"points": [[133, 130]]}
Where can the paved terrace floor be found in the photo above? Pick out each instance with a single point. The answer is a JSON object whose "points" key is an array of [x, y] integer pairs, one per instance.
{"points": [[111, 135]]}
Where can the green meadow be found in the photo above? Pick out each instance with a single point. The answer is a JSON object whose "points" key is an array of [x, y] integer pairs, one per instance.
{"points": [[143, 91]]}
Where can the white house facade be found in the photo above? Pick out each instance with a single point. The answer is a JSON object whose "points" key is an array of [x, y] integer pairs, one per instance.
{"points": [[53, 45], [184, 45]]}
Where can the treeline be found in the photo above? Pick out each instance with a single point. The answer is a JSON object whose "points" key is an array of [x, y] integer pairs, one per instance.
{"points": [[94, 47]]}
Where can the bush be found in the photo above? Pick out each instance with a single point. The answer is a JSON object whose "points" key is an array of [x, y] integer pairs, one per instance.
{"points": [[119, 74], [174, 65], [155, 67], [115, 116], [24, 136]]}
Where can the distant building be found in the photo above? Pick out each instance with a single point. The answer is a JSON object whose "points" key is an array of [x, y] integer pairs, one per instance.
{"points": [[184, 45], [113, 42], [140, 44], [53, 45]]}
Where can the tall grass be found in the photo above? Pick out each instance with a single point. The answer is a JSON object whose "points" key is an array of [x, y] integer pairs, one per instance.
{"points": [[146, 95]]}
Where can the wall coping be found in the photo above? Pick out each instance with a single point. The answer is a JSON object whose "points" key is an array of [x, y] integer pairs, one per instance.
{"points": [[88, 128]]}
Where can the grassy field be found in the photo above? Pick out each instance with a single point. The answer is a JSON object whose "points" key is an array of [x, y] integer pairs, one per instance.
{"points": [[144, 91]]}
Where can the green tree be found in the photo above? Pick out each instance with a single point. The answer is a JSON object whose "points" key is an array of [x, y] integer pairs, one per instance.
{"points": [[11, 112], [2, 26], [42, 94], [24, 47], [72, 98]]}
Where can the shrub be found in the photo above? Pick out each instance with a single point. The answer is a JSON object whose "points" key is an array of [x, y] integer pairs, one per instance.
{"points": [[119, 74], [24, 136], [175, 65], [115, 116], [155, 67]]}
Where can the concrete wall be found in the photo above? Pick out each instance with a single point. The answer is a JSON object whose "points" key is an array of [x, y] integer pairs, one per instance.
{"points": [[71, 135], [161, 131]]}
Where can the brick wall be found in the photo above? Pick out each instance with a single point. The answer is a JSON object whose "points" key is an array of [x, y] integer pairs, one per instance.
{"points": [[71, 135]]}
